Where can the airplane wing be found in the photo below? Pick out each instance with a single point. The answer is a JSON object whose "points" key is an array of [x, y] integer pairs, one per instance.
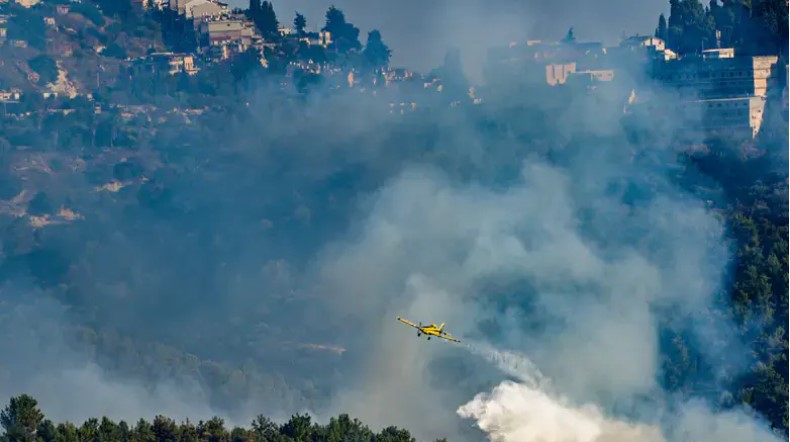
{"points": [[448, 337], [407, 322]]}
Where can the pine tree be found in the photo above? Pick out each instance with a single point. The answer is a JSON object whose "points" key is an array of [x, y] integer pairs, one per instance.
{"points": [[661, 30], [344, 34], [255, 8], [569, 37], [20, 419], [300, 23], [268, 20], [376, 53]]}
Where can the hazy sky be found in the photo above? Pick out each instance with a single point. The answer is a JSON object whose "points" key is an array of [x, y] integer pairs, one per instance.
{"points": [[419, 31]]}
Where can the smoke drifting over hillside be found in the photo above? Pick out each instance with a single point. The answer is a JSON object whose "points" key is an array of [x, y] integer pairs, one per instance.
{"points": [[40, 360], [514, 412], [420, 32], [582, 301], [540, 232], [532, 411]]}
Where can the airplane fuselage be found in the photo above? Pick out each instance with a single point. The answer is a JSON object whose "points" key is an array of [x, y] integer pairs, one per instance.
{"points": [[429, 330]]}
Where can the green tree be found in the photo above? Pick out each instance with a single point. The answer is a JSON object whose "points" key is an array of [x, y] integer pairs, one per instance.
{"points": [[344, 429], [115, 51], [67, 432], [46, 431], [89, 431], [39, 205], [239, 434], [245, 64], [28, 24], [376, 53], [300, 23], [569, 37], [20, 419], [116, 8], [165, 429], [262, 14], [124, 433], [455, 85], [771, 28], [109, 431], [661, 30], [690, 28], [187, 432], [298, 428], [264, 429], [255, 9], [143, 432], [45, 67], [345, 36], [394, 434], [213, 430]]}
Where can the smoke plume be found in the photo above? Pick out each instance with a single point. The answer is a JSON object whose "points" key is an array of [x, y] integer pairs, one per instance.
{"points": [[530, 411], [515, 412]]}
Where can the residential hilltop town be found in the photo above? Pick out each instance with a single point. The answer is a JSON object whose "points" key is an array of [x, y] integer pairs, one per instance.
{"points": [[725, 91]]}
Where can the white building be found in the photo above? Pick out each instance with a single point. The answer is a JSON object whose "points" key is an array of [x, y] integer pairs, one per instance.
{"points": [[198, 9]]}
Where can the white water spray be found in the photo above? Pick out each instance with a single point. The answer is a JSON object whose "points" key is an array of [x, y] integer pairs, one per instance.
{"points": [[530, 412], [513, 364]]}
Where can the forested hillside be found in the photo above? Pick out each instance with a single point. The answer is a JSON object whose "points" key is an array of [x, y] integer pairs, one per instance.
{"points": [[754, 203], [756, 213]]}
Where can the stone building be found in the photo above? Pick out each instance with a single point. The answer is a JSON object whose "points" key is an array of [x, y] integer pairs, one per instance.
{"points": [[724, 92], [719, 77]]}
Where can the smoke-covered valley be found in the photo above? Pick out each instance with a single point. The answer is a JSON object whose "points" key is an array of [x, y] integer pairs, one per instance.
{"points": [[254, 261]]}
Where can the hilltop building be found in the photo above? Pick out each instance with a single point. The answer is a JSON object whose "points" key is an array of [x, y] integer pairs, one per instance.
{"points": [[27, 3], [637, 54], [322, 38], [590, 79], [719, 74], [726, 93], [199, 9], [537, 62], [166, 62], [220, 39]]}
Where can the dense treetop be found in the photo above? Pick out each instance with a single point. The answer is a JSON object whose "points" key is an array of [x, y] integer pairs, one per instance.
{"points": [[751, 27], [23, 421]]}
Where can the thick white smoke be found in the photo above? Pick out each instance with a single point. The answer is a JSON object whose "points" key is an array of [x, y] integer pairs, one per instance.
{"points": [[436, 250], [530, 411], [515, 412]]}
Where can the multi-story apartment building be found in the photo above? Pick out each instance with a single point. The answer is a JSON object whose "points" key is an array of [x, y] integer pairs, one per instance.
{"points": [[718, 93], [719, 74]]}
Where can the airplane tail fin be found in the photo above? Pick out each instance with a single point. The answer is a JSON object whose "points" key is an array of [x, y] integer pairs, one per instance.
{"points": [[441, 326]]}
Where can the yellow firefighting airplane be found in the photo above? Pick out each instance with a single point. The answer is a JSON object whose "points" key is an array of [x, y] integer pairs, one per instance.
{"points": [[429, 330]]}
